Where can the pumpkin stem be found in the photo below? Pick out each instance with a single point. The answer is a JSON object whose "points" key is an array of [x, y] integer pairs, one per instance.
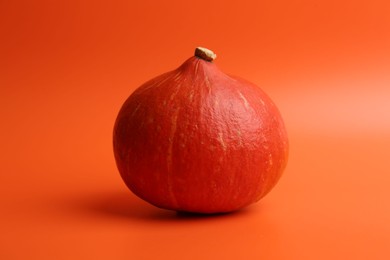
{"points": [[205, 54]]}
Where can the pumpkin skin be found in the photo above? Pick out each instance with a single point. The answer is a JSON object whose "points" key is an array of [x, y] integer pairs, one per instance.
{"points": [[197, 140]]}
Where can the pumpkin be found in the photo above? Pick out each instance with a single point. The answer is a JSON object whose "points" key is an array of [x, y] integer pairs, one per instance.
{"points": [[198, 140]]}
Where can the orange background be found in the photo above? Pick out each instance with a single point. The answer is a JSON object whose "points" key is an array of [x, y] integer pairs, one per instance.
{"points": [[66, 67]]}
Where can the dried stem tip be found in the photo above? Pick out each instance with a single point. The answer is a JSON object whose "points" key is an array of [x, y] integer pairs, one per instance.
{"points": [[205, 54]]}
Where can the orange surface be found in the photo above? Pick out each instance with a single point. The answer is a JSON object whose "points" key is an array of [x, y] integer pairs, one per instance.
{"points": [[67, 66]]}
